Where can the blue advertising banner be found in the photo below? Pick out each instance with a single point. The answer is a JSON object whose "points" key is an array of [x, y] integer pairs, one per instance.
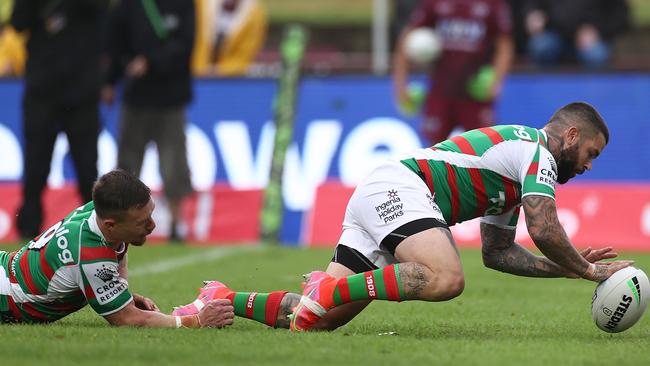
{"points": [[344, 127]]}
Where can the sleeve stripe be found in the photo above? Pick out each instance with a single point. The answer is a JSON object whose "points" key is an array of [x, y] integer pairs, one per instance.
{"points": [[119, 308], [538, 194]]}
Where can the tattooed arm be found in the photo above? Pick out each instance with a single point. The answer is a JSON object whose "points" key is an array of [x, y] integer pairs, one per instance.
{"points": [[549, 236], [501, 253]]}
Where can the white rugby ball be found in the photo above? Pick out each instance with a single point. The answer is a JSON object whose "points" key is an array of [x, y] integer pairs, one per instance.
{"points": [[620, 301], [422, 45]]}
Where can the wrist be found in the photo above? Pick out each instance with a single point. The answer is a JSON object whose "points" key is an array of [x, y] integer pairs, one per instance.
{"points": [[589, 272], [188, 321]]}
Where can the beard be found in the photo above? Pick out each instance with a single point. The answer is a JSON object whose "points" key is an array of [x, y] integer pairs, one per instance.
{"points": [[566, 164]]}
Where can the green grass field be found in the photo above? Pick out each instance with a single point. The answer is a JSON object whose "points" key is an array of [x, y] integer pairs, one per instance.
{"points": [[499, 320]]}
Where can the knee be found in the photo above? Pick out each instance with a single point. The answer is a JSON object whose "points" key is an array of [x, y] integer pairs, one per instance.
{"points": [[446, 287], [452, 286]]}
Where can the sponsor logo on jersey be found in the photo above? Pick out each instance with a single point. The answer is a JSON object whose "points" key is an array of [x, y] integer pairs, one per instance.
{"points": [[104, 274], [461, 34], [390, 209], [617, 315], [105, 281], [547, 173], [551, 161]]}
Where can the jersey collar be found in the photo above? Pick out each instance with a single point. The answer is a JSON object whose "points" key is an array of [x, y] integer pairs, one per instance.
{"points": [[94, 227], [543, 139]]}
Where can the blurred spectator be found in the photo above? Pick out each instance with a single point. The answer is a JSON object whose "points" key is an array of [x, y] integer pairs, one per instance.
{"points": [[62, 87], [475, 34], [402, 10], [230, 33], [150, 45], [12, 45], [578, 28], [12, 52]]}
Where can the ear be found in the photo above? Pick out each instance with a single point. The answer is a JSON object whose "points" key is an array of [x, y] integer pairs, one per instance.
{"points": [[571, 135], [109, 223]]}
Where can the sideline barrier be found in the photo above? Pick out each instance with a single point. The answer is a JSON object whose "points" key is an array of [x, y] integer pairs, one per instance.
{"points": [[594, 214], [218, 216]]}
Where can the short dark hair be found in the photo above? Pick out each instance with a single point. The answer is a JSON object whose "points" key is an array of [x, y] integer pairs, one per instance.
{"points": [[116, 192], [584, 114]]}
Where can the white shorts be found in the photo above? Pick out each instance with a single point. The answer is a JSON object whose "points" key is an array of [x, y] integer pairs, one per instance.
{"points": [[389, 197]]}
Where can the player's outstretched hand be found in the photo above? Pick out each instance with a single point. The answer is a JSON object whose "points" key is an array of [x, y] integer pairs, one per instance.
{"points": [[595, 255], [601, 271], [217, 314]]}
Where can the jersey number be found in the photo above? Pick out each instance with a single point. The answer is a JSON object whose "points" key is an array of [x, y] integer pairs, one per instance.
{"points": [[44, 238], [520, 131]]}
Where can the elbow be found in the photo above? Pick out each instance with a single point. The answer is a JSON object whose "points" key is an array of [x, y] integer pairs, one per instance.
{"points": [[488, 259], [538, 229], [540, 236]]}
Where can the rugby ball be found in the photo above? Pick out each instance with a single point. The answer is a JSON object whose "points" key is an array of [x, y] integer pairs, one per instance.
{"points": [[422, 45], [620, 301]]}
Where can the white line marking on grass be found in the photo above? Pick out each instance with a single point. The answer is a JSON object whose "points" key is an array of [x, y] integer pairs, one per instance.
{"points": [[207, 256]]}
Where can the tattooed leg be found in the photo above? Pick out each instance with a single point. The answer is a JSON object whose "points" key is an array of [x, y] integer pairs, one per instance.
{"points": [[287, 305], [429, 266]]}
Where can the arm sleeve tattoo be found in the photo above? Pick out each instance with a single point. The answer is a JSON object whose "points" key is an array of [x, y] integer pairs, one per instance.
{"points": [[549, 236], [501, 253]]}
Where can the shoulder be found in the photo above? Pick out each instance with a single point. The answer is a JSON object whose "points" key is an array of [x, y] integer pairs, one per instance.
{"points": [[73, 241]]}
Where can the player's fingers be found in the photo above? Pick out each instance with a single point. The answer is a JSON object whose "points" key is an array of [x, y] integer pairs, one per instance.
{"points": [[618, 265], [222, 306], [609, 255], [585, 252], [602, 251], [220, 302]]}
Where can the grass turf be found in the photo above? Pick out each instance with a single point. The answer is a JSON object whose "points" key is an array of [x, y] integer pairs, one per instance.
{"points": [[498, 320]]}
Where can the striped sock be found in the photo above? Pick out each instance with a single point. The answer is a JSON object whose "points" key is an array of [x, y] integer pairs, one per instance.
{"points": [[380, 284], [259, 307]]}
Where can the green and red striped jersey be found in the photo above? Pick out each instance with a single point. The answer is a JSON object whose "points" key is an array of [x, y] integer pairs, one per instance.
{"points": [[486, 172], [59, 272]]}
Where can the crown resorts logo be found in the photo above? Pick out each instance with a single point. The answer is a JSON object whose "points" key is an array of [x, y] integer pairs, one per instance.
{"points": [[105, 274]]}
